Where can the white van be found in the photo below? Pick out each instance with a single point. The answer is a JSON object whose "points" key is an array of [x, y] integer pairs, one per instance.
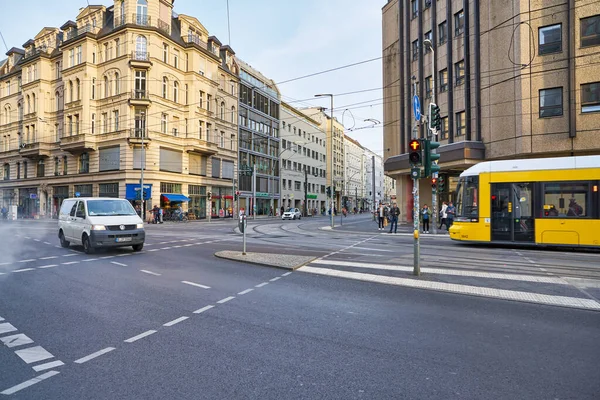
{"points": [[100, 223]]}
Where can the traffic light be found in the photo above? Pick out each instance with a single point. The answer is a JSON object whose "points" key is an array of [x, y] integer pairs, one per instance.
{"points": [[415, 156], [328, 191], [430, 157], [435, 121], [237, 193], [442, 184], [434, 182]]}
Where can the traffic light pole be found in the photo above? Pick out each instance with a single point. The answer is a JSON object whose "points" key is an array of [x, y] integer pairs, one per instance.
{"points": [[254, 207], [417, 247], [433, 99]]}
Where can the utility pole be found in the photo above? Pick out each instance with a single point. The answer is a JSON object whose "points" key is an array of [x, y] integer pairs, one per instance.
{"points": [[428, 43], [142, 197], [305, 213], [373, 183], [415, 172], [254, 208]]}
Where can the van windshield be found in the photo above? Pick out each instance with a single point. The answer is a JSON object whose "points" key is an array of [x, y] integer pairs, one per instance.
{"points": [[101, 208]]}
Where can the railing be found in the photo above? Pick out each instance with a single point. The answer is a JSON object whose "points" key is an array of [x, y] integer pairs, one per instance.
{"points": [[141, 19], [138, 133], [119, 21], [140, 55], [139, 94], [164, 26], [72, 33]]}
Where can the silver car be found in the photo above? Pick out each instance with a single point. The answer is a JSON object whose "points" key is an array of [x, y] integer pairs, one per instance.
{"points": [[292, 213]]}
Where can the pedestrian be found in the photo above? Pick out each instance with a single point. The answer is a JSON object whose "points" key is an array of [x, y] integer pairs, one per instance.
{"points": [[4, 212], [282, 210], [394, 215], [443, 215], [381, 215], [160, 215], [155, 214], [451, 213], [425, 214]]}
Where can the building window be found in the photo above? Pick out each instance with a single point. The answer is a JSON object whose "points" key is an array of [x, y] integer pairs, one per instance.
{"points": [[414, 7], [590, 97], [460, 123], [415, 49], [176, 92], [444, 131], [65, 166], [590, 31], [551, 102], [78, 91], [427, 4], [57, 67], [18, 170], [222, 110], [201, 99], [428, 36], [56, 166], [117, 84], [141, 45], [106, 87], [459, 72], [165, 53], [104, 123], [556, 194], [428, 86], [176, 58], [232, 114], [117, 48], [93, 119], [550, 39], [165, 87], [79, 54], [444, 80], [6, 172], [76, 117], [459, 23], [105, 51], [71, 57], [163, 123], [208, 101], [84, 163], [200, 125], [116, 119], [222, 139], [41, 168], [186, 94], [140, 84], [93, 88]]}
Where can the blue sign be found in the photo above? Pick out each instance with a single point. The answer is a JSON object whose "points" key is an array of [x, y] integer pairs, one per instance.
{"points": [[132, 191], [77, 194], [417, 107], [33, 196]]}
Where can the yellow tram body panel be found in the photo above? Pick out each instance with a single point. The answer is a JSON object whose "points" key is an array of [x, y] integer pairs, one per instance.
{"points": [[547, 231]]}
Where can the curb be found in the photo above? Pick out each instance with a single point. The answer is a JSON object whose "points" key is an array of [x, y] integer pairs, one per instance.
{"points": [[293, 268]]}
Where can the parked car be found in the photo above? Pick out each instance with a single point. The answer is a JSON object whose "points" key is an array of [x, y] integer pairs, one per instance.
{"points": [[292, 213], [100, 223]]}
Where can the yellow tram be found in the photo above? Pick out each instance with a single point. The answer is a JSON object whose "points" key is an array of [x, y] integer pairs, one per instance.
{"points": [[544, 201]]}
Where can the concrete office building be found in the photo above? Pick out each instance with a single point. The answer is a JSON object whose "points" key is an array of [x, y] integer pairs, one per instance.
{"points": [[354, 173], [513, 79], [78, 101], [302, 155]]}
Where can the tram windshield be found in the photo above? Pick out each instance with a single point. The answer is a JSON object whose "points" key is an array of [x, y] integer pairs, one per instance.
{"points": [[467, 197]]}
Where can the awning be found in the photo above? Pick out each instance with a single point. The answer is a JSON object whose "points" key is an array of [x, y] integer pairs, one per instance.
{"points": [[175, 198]]}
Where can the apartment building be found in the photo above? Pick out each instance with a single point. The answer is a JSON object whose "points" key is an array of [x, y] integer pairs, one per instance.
{"points": [[513, 79], [354, 173], [337, 168], [85, 106], [303, 162], [374, 189], [259, 142]]}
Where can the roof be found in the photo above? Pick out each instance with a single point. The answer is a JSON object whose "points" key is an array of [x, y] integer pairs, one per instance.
{"points": [[28, 43], [534, 164], [214, 39], [68, 24], [353, 141], [228, 48], [15, 50]]}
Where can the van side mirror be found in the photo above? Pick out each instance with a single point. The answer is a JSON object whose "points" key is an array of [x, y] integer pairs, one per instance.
{"points": [[80, 214], [561, 203]]}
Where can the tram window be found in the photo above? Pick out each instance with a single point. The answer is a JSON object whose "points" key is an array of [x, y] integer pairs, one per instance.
{"points": [[467, 197], [566, 200]]}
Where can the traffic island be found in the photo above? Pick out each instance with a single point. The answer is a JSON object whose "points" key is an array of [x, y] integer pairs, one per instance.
{"points": [[283, 261]]}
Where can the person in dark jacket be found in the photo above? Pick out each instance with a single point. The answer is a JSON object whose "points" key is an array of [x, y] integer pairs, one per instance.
{"points": [[394, 214]]}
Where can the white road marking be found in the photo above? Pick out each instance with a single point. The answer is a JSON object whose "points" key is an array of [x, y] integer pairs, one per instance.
{"points": [[47, 243], [29, 260], [275, 279], [90, 259], [69, 255], [226, 299], [48, 266], [286, 274], [201, 310], [94, 355], [195, 284], [123, 255], [34, 354], [461, 289], [1, 319], [6, 327], [154, 250], [175, 321], [57, 246], [26, 237], [74, 251], [36, 240], [70, 262], [118, 263], [106, 257], [49, 365], [245, 291], [28, 383], [442, 271], [188, 245], [165, 248], [262, 284], [140, 336], [149, 272], [5, 263], [176, 247], [23, 270], [372, 249], [48, 258], [19, 339]]}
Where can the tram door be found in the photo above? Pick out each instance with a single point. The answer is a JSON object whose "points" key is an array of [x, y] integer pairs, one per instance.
{"points": [[512, 212]]}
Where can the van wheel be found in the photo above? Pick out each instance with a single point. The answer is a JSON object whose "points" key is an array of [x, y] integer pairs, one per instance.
{"points": [[138, 247], [87, 247], [63, 242]]}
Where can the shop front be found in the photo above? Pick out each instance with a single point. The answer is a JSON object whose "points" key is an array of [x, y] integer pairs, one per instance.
{"points": [[59, 194], [222, 202], [197, 204], [132, 193], [170, 203], [28, 203]]}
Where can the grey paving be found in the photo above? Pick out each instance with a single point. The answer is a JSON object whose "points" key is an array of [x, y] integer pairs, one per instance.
{"points": [[284, 261]]}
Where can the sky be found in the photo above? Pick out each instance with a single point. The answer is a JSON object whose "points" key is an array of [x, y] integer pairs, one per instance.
{"points": [[283, 39]]}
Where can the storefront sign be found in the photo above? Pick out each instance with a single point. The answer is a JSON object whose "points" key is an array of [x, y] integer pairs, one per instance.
{"points": [[311, 196], [33, 196]]}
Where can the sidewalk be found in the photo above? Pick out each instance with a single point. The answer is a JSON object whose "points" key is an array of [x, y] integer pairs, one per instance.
{"points": [[364, 223]]}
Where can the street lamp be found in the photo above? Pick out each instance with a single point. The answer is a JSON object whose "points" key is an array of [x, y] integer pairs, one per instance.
{"points": [[143, 113], [331, 155]]}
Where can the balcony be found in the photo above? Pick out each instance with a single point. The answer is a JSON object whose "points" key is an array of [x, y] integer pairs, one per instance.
{"points": [[140, 59], [194, 145], [196, 40], [136, 135], [141, 20], [139, 98], [164, 26], [77, 144], [36, 149]]}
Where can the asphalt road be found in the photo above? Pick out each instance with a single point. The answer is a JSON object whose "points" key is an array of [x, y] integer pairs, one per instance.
{"points": [[118, 325]]}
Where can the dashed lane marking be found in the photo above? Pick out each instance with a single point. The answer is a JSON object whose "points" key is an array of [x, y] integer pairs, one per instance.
{"points": [[52, 364], [196, 284], [23, 269], [47, 243], [93, 355], [175, 321], [286, 274], [30, 382], [34, 354], [48, 258], [36, 240], [140, 336], [226, 299], [275, 279], [201, 310], [69, 255], [118, 263], [262, 284], [90, 259], [70, 262], [153, 250], [106, 257], [149, 272], [28, 260], [48, 266], [245, 291]]}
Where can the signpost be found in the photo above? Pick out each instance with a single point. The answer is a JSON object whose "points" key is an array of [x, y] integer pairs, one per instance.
{"points": [[417, 108]]}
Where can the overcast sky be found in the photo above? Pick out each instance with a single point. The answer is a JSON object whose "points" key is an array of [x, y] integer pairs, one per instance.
{"points": [[283, 39]]}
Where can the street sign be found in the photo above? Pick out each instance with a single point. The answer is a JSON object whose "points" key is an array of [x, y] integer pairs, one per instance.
{"points": [[77, 194], [33, 196], [417, 107]]}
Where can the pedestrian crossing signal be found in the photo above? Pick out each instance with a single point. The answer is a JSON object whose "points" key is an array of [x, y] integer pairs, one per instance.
{"points": [[414, 156]]}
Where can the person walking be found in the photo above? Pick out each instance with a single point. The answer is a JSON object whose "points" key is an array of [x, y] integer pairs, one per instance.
{"points": [[443, 215], [155, 213], [381, 214], [451, 213], [394, 215], [160, 215], [425, 214]]}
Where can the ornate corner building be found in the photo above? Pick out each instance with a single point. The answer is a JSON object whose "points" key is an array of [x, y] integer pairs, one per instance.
{"points": [[85, 106], [514, 79]]}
